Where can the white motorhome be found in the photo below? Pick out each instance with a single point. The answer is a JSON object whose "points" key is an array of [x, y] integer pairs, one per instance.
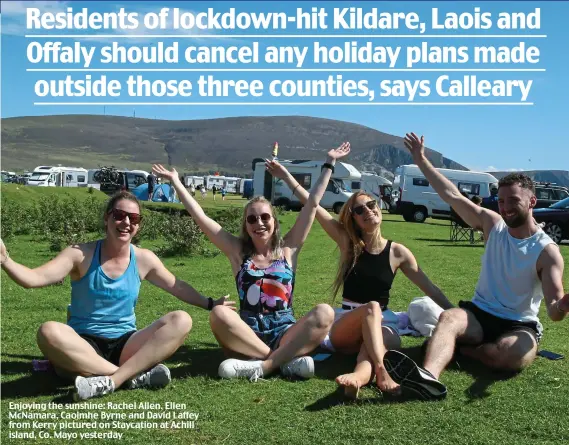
{"points": [[417, 200], [306, 173], [196, 180], [131, 178], [373, 184], [229, 182], [49, 176]]}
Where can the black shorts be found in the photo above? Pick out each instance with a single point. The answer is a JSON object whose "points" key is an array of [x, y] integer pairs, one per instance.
{"points": [[108, 348], [494, 327]]}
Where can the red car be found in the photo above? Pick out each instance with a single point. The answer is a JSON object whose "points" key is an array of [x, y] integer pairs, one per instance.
{"points": [[556, 219]]}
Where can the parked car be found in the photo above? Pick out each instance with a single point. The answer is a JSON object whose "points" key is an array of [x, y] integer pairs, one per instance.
{"points": [[556, 219], [548, 194]]}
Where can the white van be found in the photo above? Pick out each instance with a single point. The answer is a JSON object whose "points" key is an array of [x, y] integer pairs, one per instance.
{"points": [[417, 200], [196, 180], [373, 184], [49, 176], [306, 173], [130, 179]]}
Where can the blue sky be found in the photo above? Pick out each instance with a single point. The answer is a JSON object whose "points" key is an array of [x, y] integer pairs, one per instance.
{"points": [[480, 137]]}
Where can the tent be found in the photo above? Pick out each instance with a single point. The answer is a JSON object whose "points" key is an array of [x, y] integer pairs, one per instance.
{"points": [[161, 193]]}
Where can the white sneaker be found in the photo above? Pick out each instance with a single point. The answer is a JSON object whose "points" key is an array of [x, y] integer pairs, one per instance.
{"points": [[157, 377], [233, 368], [88, 387], [300, 367]]}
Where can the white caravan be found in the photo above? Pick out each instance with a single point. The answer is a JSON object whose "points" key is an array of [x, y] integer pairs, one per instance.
{"points": [[230, 183], [306, 173], [417, 200], [196, 180], [49, 176], [372, 184]]}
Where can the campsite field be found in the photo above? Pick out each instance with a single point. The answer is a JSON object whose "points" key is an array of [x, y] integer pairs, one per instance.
{"points": [[482, 407]]}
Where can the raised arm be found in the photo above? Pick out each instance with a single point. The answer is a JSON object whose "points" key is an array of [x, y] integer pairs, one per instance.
{"points": [[295, 238], [408, 265], [224, 240], [49, 273], [157, 274], [550, 269], [332, 227], [475, 216]]}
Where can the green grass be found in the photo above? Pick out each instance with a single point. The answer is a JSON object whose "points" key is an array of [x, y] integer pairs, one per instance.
{"points": [[482, 407]]}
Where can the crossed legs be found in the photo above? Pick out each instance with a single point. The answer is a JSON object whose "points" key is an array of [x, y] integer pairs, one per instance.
{"points": [[305, 335], [71, 354], [360, 330], [512, 351]]}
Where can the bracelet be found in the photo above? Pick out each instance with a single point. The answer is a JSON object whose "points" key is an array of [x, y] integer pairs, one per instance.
{"points": [[210, 304], [294, 189], [328, 165]]}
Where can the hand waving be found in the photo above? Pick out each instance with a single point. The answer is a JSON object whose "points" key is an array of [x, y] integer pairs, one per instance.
{"points": [[224, 301], [415, 145], [340, 152], [164, 173], [275, 169]]}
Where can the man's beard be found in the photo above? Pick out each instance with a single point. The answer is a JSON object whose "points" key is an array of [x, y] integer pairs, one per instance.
{"points": [[517, 220]]}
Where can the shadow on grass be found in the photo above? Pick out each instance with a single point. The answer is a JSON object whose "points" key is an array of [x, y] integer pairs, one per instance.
{"points": [[483, 376], [195, 362]]}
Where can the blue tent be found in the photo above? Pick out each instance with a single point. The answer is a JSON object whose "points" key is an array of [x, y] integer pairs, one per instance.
{"points": [[162, 193]]}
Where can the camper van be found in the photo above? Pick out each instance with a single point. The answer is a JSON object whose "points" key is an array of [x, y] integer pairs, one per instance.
{"points": [[229, 182], [417, 200], [306, 173], [377, 186], [49, 176], [130, 180], [196, 180]]}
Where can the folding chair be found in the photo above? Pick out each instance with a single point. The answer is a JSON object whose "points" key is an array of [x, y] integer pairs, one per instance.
{"points": [[459, 230]]}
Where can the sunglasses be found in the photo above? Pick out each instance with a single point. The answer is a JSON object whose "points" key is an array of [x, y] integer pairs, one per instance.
{"points": [[360, 209], [252, 219], [120, 215]]}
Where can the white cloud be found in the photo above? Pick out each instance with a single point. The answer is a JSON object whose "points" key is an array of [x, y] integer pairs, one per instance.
{"points": [[14, 14]]}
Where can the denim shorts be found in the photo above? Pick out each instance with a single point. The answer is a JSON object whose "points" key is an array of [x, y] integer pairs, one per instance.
{"points": [[269, 327]]}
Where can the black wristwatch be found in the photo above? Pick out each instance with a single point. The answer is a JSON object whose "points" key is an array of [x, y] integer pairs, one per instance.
{"points": [[210, 304], [327, 165]]}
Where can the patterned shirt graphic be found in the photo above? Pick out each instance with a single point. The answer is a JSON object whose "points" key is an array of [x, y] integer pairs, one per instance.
{"points": [[265, 290]]}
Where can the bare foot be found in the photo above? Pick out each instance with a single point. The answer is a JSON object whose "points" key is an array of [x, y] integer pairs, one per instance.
{"points": [[351, 385], [384, 382]]}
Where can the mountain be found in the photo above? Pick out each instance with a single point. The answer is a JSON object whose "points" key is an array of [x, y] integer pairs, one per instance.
{"points": [[227, 145], [559, 177]]}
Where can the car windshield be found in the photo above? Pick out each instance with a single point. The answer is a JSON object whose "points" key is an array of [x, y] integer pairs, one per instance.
{"points": [[563, 204]]}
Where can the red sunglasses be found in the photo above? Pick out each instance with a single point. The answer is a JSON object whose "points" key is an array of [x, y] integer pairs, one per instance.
{"points": [[252, 219], [120, 215]]}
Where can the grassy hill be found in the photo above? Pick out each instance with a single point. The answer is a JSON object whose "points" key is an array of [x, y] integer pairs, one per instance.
{"points": [[227, 145]]}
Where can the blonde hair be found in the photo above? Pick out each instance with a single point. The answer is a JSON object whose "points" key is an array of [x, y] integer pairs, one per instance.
{"points": [[247, 246], [356, 244]]}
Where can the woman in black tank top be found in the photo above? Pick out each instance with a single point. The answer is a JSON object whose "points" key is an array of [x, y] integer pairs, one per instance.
{"points": [[367, 269]]}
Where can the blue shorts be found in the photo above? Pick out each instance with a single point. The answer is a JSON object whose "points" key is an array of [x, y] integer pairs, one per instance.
{"points": [[269, 327]]}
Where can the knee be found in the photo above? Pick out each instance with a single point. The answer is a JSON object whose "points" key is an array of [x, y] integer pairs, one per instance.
{"points": [[373, 308], [49, 333], [219, 315], [449, 319], [180, 321], [323, 316]]}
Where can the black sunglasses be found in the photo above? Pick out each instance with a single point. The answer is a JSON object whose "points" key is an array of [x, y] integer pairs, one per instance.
{"points": [[120, 215], [360, 209], [252, 219]]}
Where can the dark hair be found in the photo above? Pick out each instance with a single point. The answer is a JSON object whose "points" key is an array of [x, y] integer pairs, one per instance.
{"points": [[522, 180], [476, 200], [119, 197]]}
